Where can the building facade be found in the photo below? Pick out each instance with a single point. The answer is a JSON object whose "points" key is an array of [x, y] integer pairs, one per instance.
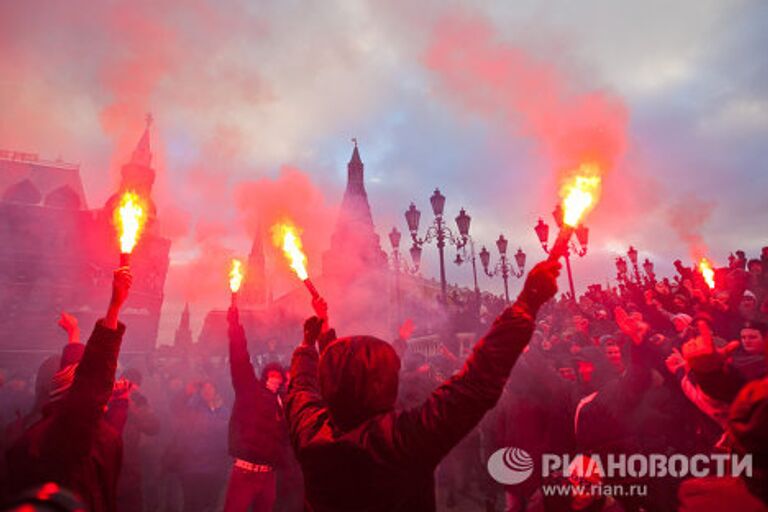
{"points": [[57, 255]]}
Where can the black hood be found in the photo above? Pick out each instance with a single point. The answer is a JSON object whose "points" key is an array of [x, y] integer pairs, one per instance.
{"points": [[358, 379]]}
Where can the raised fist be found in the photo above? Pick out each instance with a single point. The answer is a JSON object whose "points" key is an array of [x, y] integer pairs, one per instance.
{"points": [[68, 323], [541, 284], [121, 284], [312, 328], [320, 307]]}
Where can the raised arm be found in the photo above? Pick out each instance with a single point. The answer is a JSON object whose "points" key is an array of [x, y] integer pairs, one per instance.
{"points": [[709, 366], [85, 402], [243, 375], [427, 433], [304, 406], [72, 352]]}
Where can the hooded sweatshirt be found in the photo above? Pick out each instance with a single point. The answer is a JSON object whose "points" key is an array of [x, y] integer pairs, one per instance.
{"points": [[72, 445], [358, 453]]}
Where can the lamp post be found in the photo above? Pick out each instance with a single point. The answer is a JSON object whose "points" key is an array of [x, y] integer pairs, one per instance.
{"points": [[437, 231], [400, 265], [504, 266], [462, 222], [582, 236], [632, 255]]}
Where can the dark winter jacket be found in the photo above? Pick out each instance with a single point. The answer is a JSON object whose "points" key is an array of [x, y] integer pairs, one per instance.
{"points": [[258, 432], [358, 453], [710, 494], [132, 417], [72, 444]]}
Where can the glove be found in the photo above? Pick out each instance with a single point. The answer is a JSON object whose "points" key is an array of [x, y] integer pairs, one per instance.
{"points": [[540, 285], [312, 328]]}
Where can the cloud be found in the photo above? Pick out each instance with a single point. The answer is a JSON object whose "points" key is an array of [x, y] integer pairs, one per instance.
{"points": [[241, 90]]}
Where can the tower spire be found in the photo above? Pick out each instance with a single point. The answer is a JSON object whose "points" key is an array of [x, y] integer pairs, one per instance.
{"points": [[183, 338], [355, 168], [254, 288], [354, 235], [142, 155]]}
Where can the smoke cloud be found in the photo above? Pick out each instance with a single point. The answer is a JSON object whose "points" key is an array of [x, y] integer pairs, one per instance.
{"points": [[533, 97], [290, 196], [236, 95], [688, 217]]}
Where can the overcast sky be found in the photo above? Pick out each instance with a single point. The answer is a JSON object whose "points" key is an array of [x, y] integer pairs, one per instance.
{"points": [[465, 96]]}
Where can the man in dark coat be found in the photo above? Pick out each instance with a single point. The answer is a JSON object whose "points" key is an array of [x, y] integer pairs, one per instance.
{"points": [[258, 433], [358, 453], [130, 414], [72, 445]]}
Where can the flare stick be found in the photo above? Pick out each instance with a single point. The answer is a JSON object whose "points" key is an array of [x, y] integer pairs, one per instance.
{"points": [[311, 288], [560, 246]]}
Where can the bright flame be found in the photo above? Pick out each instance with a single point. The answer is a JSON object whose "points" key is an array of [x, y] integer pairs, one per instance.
{"points": [[705, 267], [286, 237], [236, 275], [580, 193], [130, 217]]}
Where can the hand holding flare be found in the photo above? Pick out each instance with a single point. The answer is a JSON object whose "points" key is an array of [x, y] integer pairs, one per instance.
{"points": [[286, 237], [707, 272], [129, 218], [580, 195], [235, 279]]}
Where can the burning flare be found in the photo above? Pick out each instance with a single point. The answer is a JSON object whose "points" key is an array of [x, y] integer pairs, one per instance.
{"points": [[707, 272], [286, 237], [130, 217], [236, 275], [580, 194]]}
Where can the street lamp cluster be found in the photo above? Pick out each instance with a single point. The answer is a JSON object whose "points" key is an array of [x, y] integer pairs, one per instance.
{"points": [[504, 267], [622, 268], [440, 233]]}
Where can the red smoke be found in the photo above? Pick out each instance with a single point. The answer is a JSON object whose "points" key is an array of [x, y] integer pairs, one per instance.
{"points": [[199, 275], [291, 195], [536, 99], [687, 218]]}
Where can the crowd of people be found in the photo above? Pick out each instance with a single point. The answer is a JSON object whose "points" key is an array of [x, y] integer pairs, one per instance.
{"points": [[654, 366]]}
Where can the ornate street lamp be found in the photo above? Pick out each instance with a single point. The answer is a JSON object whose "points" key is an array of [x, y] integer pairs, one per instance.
{"points": [[504, 267], [401, 265], [462, 256], [438, 232], [582, 236], [394, 238]]}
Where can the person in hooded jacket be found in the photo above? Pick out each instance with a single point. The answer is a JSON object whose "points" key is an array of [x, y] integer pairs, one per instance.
{"points": [[355, 450], [73, 445], [257, 428]]}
